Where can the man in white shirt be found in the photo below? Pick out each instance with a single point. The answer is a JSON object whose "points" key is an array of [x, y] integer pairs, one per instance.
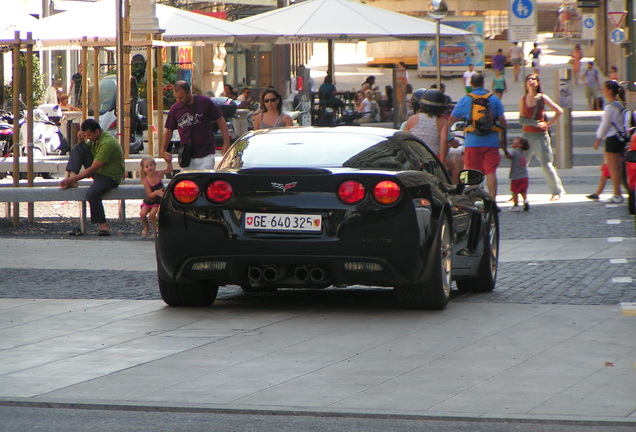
{"points": [[467, 75]]}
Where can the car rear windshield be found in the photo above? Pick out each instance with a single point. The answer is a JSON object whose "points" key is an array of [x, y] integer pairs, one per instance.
{"points": [[327, 150]]}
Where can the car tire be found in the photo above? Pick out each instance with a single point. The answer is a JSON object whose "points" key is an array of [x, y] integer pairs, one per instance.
{"points": [[433, 294], [194, 294], [487, 272]]}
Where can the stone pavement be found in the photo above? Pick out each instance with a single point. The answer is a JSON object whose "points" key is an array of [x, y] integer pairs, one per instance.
{"points": [[554, 341]]}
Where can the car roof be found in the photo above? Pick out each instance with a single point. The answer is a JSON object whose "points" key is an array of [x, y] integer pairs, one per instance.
{"points": [[340, 130]]}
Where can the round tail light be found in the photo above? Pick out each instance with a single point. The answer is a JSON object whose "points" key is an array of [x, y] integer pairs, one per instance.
{"points": [[219, 191], [387, 192], [351, 192], [186, 191]]}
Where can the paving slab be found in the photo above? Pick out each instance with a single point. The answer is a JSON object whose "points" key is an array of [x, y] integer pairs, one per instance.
{"points": [[485, 360]]}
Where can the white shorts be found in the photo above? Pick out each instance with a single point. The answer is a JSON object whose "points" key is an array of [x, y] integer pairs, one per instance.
{"points": [[204, 163]]}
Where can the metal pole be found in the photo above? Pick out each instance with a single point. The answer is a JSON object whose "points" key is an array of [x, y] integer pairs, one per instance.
{"points": [[563, 88], [439, 56]]}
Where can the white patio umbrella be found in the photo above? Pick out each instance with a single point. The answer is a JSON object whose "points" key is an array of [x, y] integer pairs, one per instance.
{"points": [[346, 21], [15, 18], [178, 26]]}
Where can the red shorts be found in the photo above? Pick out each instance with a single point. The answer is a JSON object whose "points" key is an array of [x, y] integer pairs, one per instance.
{"points": [[605, 171], [484, 159], [519, 185]]}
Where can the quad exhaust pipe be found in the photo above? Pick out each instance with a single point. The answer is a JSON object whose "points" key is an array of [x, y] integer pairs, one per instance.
{"points": [[271, 274]]}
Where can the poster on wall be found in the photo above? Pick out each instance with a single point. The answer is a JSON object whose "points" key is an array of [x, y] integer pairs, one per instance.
{"points": [[455, 54]]}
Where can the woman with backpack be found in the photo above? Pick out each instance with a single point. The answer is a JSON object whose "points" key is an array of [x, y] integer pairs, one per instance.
{"points": [[536, 129], [611, 127]]}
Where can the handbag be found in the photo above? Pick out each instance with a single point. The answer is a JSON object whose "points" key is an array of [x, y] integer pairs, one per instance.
{"points": [[186, 149], [185, 154]]}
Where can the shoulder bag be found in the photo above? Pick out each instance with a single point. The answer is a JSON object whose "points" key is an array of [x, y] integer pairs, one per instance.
{"points": [[186, 148]]}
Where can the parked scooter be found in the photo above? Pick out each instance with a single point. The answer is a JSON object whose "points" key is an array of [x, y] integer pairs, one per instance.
{"points": [[47, 138], [108, 114], [6, 133]]}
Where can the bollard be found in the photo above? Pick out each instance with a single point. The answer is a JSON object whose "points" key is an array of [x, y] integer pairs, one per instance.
{"points": [[563, 80], [240, 121]]}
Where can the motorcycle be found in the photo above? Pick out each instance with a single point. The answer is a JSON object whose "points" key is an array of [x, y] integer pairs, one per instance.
{"points": [[6, 134]]}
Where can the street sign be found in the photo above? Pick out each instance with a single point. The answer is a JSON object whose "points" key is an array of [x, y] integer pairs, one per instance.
{"points": [[617, 36], [589, 3], [523, 20], [616, 18], [589, 26]]}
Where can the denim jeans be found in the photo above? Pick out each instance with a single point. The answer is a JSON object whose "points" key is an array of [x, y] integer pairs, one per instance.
{"points": [[81, 156]]}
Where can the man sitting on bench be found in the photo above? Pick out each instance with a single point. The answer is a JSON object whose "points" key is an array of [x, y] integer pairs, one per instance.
{"points": [[101, 156]]}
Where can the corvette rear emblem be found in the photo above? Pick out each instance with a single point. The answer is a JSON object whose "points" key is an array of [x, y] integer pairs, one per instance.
{"points": [[284, 187]]}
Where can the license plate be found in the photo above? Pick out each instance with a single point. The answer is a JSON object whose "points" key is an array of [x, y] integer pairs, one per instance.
{"points": [[283, 222]]}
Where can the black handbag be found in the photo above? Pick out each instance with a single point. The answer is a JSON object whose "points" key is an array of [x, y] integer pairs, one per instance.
{"points": [[186, 149], [185, 154]]}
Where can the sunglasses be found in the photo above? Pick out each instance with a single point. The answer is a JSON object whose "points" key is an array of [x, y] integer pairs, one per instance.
{"points": [[532, 79], [270, 100]]}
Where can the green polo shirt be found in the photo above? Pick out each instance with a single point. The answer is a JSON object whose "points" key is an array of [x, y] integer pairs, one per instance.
{"points": [[107, 150]]}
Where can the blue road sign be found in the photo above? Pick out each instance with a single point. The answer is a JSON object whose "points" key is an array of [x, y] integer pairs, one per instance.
{"points": [[522, 8], [589, 23]]}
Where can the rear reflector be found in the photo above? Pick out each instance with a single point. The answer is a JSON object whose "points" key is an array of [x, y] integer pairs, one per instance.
{"points": [[186, 191]]}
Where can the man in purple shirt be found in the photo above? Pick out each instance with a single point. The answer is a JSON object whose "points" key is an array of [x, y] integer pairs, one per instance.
{"points": [[192, 116], [499, 61]]}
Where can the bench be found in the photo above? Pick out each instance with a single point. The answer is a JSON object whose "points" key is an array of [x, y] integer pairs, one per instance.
{"points": [[54, 193], [57, 164]]}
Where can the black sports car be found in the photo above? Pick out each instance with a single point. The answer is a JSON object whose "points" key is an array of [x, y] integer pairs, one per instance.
{"points": [[320, 207]]}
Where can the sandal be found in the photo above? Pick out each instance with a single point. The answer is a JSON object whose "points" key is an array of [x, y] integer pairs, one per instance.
{"points": [[555, 197], [144, 232], [103, 233]]}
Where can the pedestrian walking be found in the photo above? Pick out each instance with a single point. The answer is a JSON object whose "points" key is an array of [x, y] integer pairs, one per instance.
{"points": [[75, 88], [592, 84], [499, 61], [192, 116], [499, 86], [516, 57], [151, 179], [519, 178], [428, 123], [481, 152], [101, 156], [536, 129], [612, 124], [535, 57], [467, 76]]}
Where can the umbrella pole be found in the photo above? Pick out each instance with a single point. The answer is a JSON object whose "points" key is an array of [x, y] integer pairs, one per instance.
{"points": [[330, 60]]}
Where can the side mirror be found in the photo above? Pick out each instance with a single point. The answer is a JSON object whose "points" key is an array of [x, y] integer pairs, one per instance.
{"points": [[631, 156], [470, 177]]}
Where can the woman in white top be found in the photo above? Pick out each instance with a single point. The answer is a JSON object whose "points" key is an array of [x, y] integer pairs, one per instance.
{"points": [[611, 125], [364, 106], [427, 123]]}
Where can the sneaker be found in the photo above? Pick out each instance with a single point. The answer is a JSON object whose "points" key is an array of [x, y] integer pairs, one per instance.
{"points": [[515, 208], [526, 206], [592, 196], [616, 199]]}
